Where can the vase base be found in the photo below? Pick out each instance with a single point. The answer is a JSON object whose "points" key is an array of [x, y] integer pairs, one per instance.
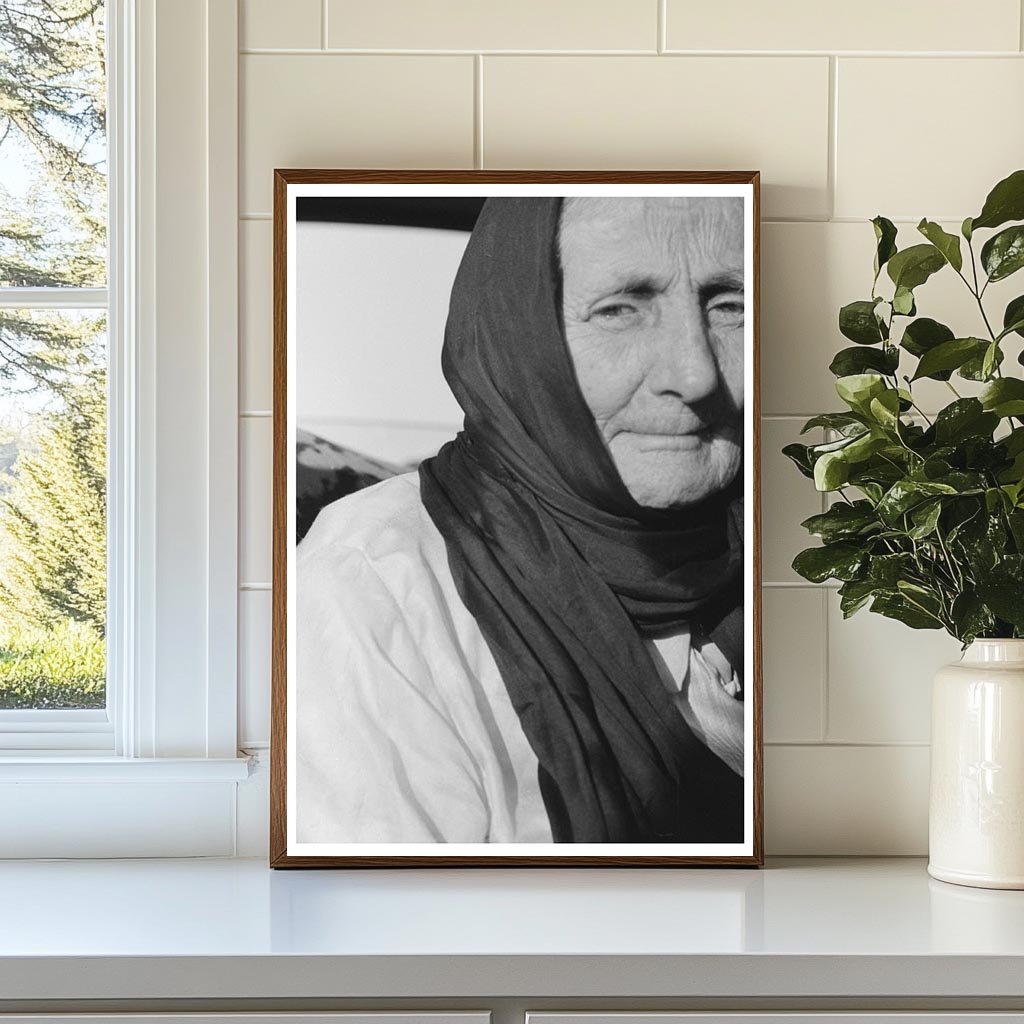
{"points": [[975, 880]]}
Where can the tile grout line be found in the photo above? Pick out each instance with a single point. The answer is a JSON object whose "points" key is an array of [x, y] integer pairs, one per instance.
{"points": [[825, 723], [833, 134], [478, 111], [257, 51], [846, 744]]}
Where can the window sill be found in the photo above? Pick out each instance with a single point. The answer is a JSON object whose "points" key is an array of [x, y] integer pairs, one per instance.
{"points": [[74, 766], [80, 806]]}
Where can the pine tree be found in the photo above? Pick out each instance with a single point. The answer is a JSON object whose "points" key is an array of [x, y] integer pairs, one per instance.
{"points": [[53, 122], [53, 234], [53, 522]]}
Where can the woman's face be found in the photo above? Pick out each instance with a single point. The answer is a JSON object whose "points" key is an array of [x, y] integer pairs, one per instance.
{"points": [[652, 294]]}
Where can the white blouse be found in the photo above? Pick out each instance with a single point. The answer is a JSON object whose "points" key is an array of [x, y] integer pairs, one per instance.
{"points": [[404, 729]]}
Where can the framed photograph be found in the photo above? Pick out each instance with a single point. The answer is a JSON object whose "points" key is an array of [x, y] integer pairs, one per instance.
{"points": [[516, 587]]}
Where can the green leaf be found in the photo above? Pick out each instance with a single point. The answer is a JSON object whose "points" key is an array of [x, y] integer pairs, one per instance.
{"points": [[1015, 518], [965, 229], [872, 491], [964, 482], [947, 244], [854, 360], [912, 267], [842, 521], [925, 518], [817, 450], [970, 617], [1004, 397], [1003, 254], [990, 360], [799, 455], [857, 321], [974, 368], [1014, 441], [1013, 317], [858, 389], [831, 471], [899, 608], [840, 561], [886, 571], [854, 594], [1005, 202], [906, 494], [924, 334], [841, 421], [1006, 599], [903, 302], [865, 446], [885, 236], [995, 499], [885, 409], [950, 355], [966, 417]]}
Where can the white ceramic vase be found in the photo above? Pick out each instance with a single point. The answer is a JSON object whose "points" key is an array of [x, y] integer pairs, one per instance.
{"points": [[976, 815]]}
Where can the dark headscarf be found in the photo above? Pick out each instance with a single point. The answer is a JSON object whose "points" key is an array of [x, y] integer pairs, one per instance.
{"points": [[563, 571]]}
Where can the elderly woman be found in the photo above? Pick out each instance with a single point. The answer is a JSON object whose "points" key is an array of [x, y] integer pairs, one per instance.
{"points": [[538, 637]]}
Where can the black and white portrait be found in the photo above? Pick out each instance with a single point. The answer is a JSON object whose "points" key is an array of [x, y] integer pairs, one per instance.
{"points": [[519, 536]]}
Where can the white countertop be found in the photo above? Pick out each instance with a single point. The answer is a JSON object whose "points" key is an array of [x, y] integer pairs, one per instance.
{"points": [[234, 928]]}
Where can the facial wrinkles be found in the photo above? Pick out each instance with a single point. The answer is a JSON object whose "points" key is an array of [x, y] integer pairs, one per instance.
{"points": [[679, 247], [657, 360], [707, 233]]}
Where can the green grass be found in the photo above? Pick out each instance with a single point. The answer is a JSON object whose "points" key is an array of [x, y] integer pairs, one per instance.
{"points": [[60, 667]]}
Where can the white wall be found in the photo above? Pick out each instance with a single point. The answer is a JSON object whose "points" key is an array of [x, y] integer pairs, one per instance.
{"points": [[906, 109], [370, 309]]}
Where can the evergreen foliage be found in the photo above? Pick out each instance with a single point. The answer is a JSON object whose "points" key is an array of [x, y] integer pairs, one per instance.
{"points": [[52, 366]]}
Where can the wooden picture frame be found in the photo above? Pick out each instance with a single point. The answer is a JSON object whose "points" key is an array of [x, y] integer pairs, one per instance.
{"points": [[287, 848]]}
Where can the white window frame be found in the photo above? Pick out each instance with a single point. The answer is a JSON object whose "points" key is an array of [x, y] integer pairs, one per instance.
{"points": [[157, 773]]}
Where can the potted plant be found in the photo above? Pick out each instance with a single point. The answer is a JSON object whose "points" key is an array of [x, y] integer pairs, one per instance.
{"points": [[926, 521]]}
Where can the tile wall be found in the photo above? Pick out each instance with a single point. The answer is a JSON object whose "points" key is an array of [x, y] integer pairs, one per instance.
{"points": [[905, 109]]}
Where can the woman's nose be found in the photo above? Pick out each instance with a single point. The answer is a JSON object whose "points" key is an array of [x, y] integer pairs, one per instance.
{"points": [[683, 362]]}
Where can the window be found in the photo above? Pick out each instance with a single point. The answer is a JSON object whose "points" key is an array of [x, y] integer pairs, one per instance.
{"points": [[154, 759], [53, 370]]}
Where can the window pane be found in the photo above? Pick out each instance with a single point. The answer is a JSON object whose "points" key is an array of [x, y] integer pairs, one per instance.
{"points": [[52, 509], [53, 150]]}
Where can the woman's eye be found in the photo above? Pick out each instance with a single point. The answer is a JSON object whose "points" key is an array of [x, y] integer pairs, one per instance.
{"points": [[615, 311], [725, 313]]}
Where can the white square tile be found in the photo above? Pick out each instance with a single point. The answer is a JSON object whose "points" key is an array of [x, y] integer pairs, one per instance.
{"points": [[793, 643], [350, 111], [271, 24], [255, 506], [693, 113], [846, 801], [787, 499], [880, 676], [963, 131], [472, 25], [868, 25]]}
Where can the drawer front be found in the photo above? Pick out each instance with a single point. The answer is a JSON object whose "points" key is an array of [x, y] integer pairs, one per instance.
{"points": [[932, 1017]]}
